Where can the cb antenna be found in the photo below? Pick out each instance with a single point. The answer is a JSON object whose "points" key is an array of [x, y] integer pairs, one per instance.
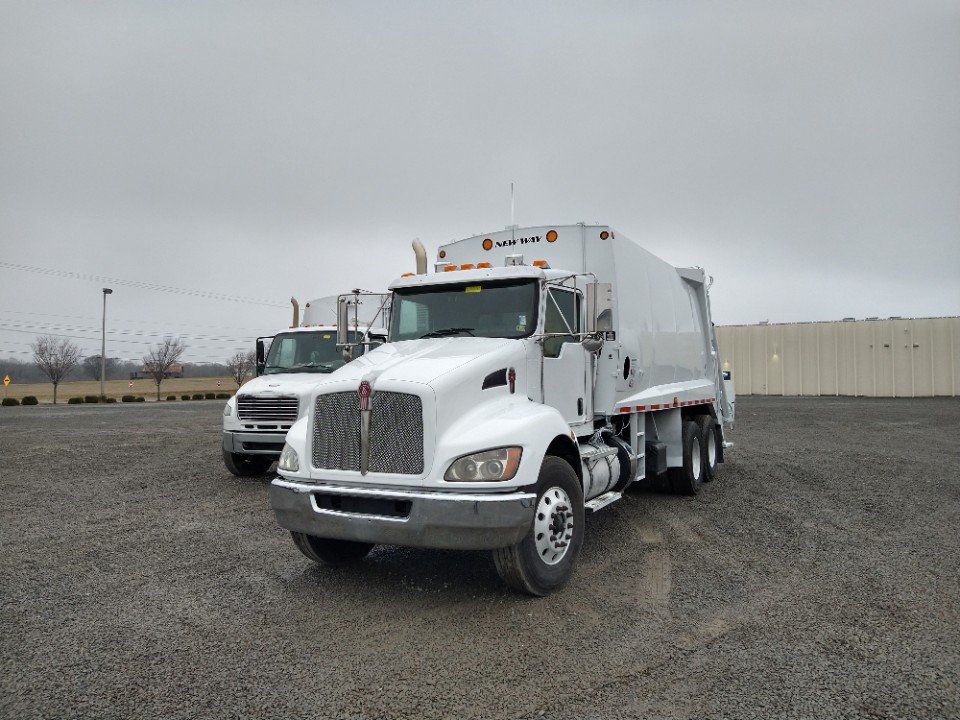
{"points": [[513, 222]]}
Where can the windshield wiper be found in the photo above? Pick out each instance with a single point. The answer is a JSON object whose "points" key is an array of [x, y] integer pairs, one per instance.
{"points": [[446, 332]]}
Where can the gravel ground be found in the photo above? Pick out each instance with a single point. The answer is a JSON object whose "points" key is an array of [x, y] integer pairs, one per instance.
{"points": [[817, 577]]}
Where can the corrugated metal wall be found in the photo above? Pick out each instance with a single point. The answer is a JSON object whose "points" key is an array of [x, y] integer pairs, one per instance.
{"points": [[917, 357]]}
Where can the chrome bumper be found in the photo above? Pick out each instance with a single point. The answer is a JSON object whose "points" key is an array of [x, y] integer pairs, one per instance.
{"points": [[254, 443], [474, 521]]}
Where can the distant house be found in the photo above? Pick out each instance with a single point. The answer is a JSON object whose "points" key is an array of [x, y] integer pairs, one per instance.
{"points": [[146, 372]]}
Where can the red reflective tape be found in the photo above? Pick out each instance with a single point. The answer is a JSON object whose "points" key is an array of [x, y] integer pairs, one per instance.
{"points": [[655, 407], [641, 408]]}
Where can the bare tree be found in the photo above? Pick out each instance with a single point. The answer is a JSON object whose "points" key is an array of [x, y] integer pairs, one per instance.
{"points": [[241, 365], [158, 362], [91, 366], [55, 357]]}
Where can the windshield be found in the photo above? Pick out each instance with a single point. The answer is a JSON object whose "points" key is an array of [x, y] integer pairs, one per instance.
{"points": [[506, 309], [307, 352]]}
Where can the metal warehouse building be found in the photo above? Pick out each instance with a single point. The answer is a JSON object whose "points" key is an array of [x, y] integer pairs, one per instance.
{"points": [[896, 357]]}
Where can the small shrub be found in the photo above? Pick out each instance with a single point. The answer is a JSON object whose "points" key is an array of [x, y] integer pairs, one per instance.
{"points": [[91, 399], [223, 396], [171, 397], [75, 401], [110, 400], [10, 402], [141, 399], [29, 400], [210, 396], [128, 398], [184, 397], [198, 396]]}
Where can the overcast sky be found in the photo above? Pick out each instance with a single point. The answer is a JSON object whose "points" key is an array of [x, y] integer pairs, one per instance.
{"points": [[806, 154]]}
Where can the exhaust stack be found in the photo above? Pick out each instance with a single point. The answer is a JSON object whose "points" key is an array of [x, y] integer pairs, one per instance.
{"points": [[421, 254], [296, 312]]}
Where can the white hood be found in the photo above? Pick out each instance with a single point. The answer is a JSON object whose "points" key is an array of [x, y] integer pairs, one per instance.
{"points": [[299, 384], [428, 361]]}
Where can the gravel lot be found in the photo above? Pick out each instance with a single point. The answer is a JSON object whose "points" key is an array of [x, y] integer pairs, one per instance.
{"points": [[818, 576]]}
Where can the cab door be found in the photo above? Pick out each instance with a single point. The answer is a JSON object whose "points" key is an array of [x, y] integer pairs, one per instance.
{"points": [[564, 359]]}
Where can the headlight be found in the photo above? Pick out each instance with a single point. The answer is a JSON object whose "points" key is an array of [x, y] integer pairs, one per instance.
{"points": [[289, 460], [486, 466], [227, 410]]}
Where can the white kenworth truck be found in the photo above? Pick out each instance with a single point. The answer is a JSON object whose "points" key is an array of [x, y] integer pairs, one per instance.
{"points": [[533, 376], [257, 418]]}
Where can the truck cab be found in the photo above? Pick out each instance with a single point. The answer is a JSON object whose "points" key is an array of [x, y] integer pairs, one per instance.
{"points": [[506, 404]]}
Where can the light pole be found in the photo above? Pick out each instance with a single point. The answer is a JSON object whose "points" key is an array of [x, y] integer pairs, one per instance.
{"points": [[103, 342]]}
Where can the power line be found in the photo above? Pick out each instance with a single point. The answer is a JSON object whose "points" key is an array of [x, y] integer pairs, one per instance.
{"points": [[138, 284], [127, 320], [40, 327], [134, 342]]}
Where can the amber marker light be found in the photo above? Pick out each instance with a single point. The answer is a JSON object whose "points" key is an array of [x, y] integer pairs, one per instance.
{"points": [[487, 244], [467, 266], [539, 263], [449, 268], [442, 254], [604, 234], [481, 265], [407, 275], [551, 235]]}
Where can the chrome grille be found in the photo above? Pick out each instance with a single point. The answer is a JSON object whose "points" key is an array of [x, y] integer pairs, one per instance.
{"points": [[266, 409], [396, 432]]}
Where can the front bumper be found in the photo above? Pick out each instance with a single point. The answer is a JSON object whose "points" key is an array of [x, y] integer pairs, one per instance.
{"points": [[254, 443], [474, 521]]}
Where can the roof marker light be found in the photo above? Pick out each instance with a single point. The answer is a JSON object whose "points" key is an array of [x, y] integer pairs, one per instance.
{"points": [[449, 268], [551, 235], [442, 254], [466, 266], [483, 265], [487, 244], [407, 275], [541, 264]]}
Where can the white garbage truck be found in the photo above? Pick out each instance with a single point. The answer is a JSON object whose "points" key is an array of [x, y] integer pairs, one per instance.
{"points": [[288, 365], [530, 378]]}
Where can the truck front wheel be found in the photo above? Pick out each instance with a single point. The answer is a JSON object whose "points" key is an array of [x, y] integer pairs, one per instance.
{"points": [[543, 561], [246, 465], [330, 552]]}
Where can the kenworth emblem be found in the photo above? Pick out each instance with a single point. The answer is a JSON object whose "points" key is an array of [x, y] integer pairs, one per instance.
{"points": [[364, 391]]}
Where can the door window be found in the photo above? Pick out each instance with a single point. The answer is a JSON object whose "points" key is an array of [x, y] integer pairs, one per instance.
{"points": [[562, 316]]}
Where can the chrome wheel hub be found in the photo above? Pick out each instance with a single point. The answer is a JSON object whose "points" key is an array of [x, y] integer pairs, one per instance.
{"points": [[553, 525]]}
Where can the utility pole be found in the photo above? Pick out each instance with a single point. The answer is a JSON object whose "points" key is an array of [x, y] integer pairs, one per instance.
{"points": [[103, 342]]}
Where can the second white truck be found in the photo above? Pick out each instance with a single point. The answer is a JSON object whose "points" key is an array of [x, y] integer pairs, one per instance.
{"points": [[257, 418], [532, 377]]}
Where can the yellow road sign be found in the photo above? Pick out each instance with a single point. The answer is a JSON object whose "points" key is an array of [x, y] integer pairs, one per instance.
{"points": [[6, 380]]}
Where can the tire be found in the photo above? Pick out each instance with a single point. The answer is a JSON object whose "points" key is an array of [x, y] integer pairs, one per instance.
{"points": [[540, 564], [331, 552], [246, 465], [688, 479], [710, 438]]}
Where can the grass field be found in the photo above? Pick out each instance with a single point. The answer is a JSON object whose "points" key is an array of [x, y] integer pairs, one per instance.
{"points": [[119, 388]]}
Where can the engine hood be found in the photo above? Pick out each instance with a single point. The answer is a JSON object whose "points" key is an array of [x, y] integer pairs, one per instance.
{"points": [[298, 384], [431, 361]]}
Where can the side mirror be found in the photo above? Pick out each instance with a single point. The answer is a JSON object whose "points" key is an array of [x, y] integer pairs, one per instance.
{"points": [[726, 374], [592, 343], [343, 321], [599, 307], [261, 361]]}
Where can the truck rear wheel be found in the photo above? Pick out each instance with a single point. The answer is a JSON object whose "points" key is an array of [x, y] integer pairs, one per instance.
{"points": [[246, 465], [686, 480], [330, 552], [543, 561], [710, 438]]}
